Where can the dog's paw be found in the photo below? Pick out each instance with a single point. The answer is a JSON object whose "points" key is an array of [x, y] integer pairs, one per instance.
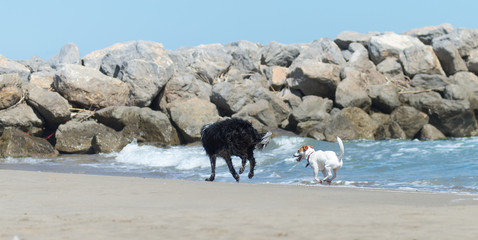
{"points": [[251, 174], [241, 170]]}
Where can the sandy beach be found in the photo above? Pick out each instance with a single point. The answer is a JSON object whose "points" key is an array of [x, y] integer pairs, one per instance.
{"points": [[39, 206]]}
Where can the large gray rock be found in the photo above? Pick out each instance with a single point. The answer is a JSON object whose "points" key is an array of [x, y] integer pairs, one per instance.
{"points": [[9, 66], [429, 132], [384, 97], [449, 56], [183, 85], [362, 123], [315, 78], [191, 114], [420, 59], [453, 118], [339, 125], [77, 136], [312, 108], [278, 54], [245, 55], [434, 82], [344, 39], [350, 94], [391, 67], [208, 61], [89, 88], [322, 50], [108, 140], [22, 117], [390, 45], [11, 90], [43, 79], [230, 98], [261, 111], [467, 88], [51, 105], [143, 124], [144, 66], [427, 34], [69, 54], [280, 109], [15, 143], [462, 39], [410, 120], [390, 130], [276, 76], [37, 64], [472, 62]]}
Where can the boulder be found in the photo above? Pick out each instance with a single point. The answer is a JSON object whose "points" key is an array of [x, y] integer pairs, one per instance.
{"points": [[339, 125], [462, 39], [362, 123], [427, 34], [37, 64], [434, 82], [51, 106], [410, 120], [391, 130], [22, 117], [384, 97], [209, 62], [182, 85], [312, 108], [245, 55], [280, 109], [278, 54], [230, 98], [190, 115], [344, 39], [261, 111], [11, 90], [15, 143], [108, 141], [390, 67], [449, 56], [313, 129], [390, 45], [323, 50], [350, 94], [69, 54], [143, 66], [43, 79], [420, 59], [143, 124], [472, 62], [362, 70], [77, 136], [276, 76], [429, 132], [467, 86], [453, 118], [315, 78], [420, 99], [89, 88], [9, 66]]}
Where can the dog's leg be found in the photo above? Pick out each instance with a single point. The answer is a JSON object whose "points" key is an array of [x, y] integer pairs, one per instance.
{"points": [[316, 173], [213, 168], [334, 174], [244, 161], [231, 168], [252, 162], [329, 175]]}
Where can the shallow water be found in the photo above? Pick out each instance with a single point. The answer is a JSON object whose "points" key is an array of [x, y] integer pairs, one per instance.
{"points": [[437, 166]]}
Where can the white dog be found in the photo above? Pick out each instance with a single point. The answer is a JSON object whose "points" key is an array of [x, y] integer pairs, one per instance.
{"points": [[325, 161]]}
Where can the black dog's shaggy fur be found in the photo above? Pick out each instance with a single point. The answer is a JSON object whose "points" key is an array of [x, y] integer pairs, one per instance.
{"points": [[232, 137]]}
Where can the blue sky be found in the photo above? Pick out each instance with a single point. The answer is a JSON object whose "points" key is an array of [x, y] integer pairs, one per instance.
{"points": [[41, 28]]}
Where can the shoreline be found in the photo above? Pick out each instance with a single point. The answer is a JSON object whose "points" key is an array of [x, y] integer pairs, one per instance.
{"points": [[39, 205]]}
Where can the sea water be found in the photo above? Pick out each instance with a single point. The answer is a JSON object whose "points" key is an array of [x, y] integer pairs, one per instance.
{"points": [[411, 165]]}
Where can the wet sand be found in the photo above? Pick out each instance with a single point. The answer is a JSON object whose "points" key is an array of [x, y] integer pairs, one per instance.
{"points": [[72, 206]]}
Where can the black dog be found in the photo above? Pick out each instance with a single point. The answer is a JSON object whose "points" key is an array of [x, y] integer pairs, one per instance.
{"points": [[232, 137]]}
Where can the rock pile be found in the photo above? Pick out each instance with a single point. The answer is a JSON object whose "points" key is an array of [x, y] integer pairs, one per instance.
{"points": [[419, 84]]}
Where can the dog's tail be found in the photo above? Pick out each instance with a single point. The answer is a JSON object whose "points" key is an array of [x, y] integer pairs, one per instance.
{"points": [[341, 145], [266, 138]]}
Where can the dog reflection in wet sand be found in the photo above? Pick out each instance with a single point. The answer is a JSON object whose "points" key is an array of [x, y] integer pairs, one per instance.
{"points": [[325, 161]]}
